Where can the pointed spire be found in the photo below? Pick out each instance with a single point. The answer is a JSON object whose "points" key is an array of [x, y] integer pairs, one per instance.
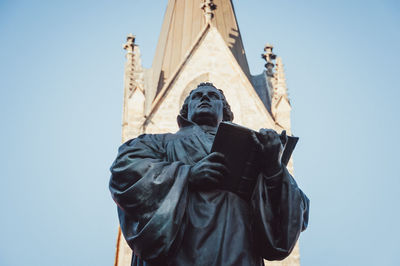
{"points": [[129, 46], [133, 113], [208, 7], [182, 27], [269, 56], [280, 88], [133, 66], [280, 103]]}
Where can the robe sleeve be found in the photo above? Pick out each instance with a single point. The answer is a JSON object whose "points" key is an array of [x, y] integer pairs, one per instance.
{"points": [[280, 211], [151, 194]]}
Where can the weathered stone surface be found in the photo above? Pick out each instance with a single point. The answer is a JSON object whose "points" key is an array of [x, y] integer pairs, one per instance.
{"points": [[211, 61]]}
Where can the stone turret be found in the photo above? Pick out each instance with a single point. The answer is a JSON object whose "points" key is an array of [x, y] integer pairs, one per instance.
{"points": [[134, 98], [280, 103]]}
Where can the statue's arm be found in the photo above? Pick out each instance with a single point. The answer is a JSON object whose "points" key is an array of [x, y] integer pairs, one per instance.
{"points": [[150, 193], [281, 212]]}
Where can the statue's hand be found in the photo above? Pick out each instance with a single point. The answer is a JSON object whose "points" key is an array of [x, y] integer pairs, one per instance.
{"points": [[271, 149], [208, 172]]}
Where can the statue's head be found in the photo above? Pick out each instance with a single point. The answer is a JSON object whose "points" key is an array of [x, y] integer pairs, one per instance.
{"points": [[206, 105]]}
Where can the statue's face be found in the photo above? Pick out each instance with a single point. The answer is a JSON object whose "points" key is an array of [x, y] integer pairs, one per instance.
{"points": [[205, 106]]}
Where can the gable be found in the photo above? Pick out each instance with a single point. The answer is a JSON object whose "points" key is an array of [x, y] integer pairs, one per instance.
{"points": [[183, 21], [210, 60]]}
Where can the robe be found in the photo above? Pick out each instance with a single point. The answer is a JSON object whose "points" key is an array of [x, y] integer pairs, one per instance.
{"points": [[166, 222]]}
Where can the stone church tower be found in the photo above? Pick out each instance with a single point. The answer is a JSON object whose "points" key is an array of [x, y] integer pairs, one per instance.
{"points": [[200, 41]]}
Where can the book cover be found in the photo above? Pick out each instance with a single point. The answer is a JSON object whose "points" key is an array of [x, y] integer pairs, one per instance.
{"points": [[240, 151]]}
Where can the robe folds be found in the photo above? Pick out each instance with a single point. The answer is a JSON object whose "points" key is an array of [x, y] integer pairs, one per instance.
{"points": [[166, 222]]}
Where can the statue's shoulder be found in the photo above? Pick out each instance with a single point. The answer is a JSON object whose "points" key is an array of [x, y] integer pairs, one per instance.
{"points": [[144, 145], [148, 139], [158, 141]]}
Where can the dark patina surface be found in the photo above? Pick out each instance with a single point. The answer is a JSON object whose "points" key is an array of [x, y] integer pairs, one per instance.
{"points": [[172, 210]]}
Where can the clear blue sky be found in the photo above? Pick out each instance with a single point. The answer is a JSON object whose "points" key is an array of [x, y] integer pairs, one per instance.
{"points": [[61, 81]]}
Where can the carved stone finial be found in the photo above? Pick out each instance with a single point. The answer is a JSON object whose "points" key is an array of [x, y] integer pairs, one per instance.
{"points": [[130, 43], [269, 56], [208, 7]]}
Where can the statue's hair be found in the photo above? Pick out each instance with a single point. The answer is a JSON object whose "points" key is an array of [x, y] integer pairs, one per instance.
{"points": [[227, 112]]}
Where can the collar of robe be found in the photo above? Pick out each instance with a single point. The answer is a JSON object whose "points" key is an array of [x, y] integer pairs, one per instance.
{"points": [[183, 122]]}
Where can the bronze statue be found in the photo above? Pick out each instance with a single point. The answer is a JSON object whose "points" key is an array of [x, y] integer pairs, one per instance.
{"points": [[173, 211]]}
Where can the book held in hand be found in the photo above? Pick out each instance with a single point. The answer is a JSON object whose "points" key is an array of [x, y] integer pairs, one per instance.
{"points": [[241, 152]]}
